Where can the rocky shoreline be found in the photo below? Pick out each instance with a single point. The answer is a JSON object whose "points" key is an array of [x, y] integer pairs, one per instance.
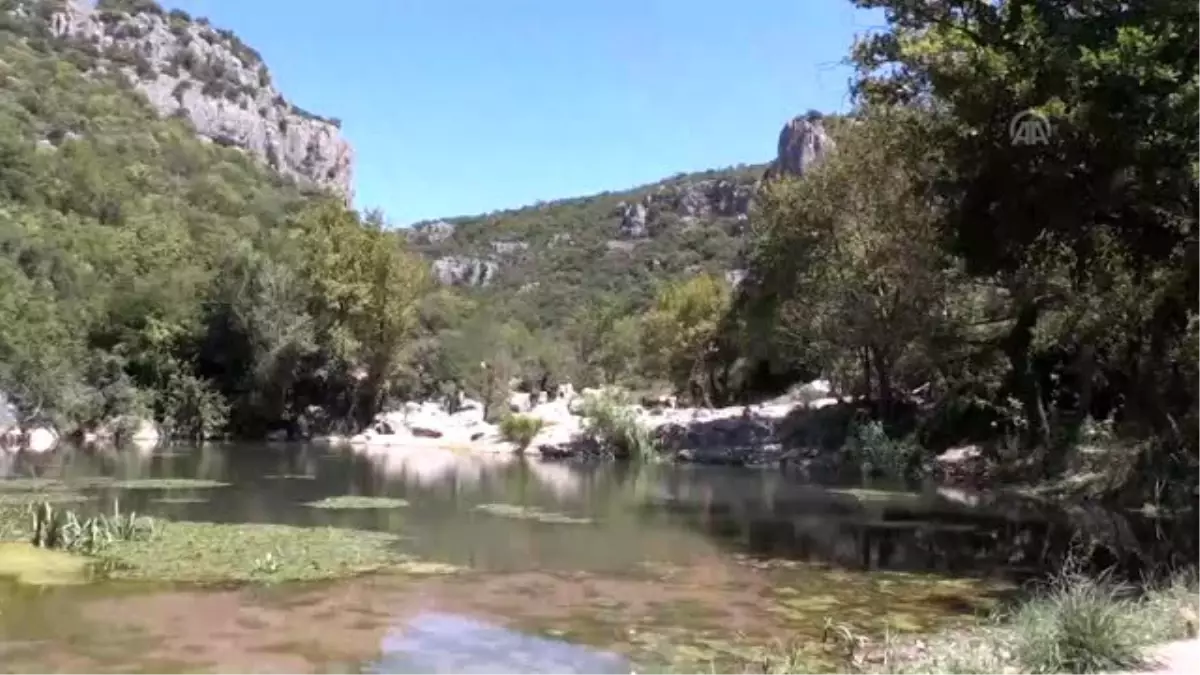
{"points": [[742, 435]]}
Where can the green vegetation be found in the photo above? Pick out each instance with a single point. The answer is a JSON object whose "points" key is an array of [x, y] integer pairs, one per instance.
{"points": [[164, 484], [148, 274], [520, 430], [1076, 625], [67, 531], [180, 500], [53, 497], [128, 546], [616, 428], [53, 487], [869, 447], [530, 513], [351, 502], [212, 552]]}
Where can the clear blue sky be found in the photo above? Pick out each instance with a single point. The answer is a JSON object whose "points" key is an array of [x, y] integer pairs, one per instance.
{"points": [[458, 107]]}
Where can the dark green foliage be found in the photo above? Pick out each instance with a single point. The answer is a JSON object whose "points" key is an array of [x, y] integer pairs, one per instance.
{"points": [[1022, 289], [146, 273]]}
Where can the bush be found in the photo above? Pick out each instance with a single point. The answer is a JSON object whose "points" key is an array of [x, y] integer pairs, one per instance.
{"points": [[520, 430], [1079, 626], [610, 422], [869, 446]]}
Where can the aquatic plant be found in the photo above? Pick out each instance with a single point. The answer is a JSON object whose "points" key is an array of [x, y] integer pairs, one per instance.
{"points": [[68, 531], [180, 500], [616, 428], [520, 430], [254, 552], [267, 564], [40, 485], [351, 502], [530, 513], [166, 484], [52, 496]]}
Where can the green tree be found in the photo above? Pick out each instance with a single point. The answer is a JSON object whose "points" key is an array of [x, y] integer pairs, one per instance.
{"points": [[1090, 237], [678, 332], [851, 254]]}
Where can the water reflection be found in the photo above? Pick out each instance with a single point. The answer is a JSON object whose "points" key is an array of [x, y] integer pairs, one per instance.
{"points": [[447, 643], [630, 559]]}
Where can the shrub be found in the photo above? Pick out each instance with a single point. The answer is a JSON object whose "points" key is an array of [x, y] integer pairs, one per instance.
{"points": [[520, 430], [1080, 625], [612, 423], [869, 446]]}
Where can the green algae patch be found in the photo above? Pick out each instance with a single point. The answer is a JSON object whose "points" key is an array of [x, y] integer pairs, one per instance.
{"points": [[30, 484], [32, 565], [350, 502], [220, 552], [424, 568], [530, 513], [166, 484], [53, 497], [50, 485]]}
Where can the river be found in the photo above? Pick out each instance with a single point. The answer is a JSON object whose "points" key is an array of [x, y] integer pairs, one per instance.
{"points": [[602, 568]]}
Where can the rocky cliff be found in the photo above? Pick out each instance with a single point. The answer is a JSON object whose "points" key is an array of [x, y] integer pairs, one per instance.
{"points": [[188, 68]]}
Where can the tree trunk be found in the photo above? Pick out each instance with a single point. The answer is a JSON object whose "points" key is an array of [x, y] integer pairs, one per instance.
{"points": [[865, 358], [1085, 373], [883, 374], [1025, 381]]}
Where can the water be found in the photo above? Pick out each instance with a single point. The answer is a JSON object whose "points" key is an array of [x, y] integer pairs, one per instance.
{"points": [[570, 569]]}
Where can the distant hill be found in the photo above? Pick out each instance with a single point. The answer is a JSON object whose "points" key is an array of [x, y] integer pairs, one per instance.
{"points": [[557, 255]]}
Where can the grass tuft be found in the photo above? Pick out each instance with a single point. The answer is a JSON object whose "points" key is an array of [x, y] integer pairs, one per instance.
{"points": [[1080, 625], [520, 430], [616, 428]]}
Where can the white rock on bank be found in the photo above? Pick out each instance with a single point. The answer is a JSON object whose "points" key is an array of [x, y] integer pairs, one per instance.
{"points": [[40, 439]]}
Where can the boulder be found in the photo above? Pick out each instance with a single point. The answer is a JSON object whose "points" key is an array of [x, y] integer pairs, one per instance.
{"points": [[40, 439]]}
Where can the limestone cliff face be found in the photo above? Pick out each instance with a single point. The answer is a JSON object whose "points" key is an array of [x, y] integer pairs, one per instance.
{"points": [[802, 143], [186, 67]]}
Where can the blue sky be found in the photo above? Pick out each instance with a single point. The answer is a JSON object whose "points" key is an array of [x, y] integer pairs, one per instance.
{"points": [[458, 107]]}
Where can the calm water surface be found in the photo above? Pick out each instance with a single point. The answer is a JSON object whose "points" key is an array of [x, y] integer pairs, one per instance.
{"points": [[642, 567]]}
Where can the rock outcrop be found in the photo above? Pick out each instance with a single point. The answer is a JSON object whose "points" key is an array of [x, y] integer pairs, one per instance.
{"points": [[686, 203], [434, 232], [464, 271], [734, 435], [802, 143], [188, 68]]}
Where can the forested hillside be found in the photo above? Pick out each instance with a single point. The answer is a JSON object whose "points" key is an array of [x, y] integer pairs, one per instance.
{"points": [[562, 254], [156, 269], [147, 273]]}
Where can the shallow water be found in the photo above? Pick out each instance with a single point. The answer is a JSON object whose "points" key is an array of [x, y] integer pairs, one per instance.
{"points": [[569, 569]]}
